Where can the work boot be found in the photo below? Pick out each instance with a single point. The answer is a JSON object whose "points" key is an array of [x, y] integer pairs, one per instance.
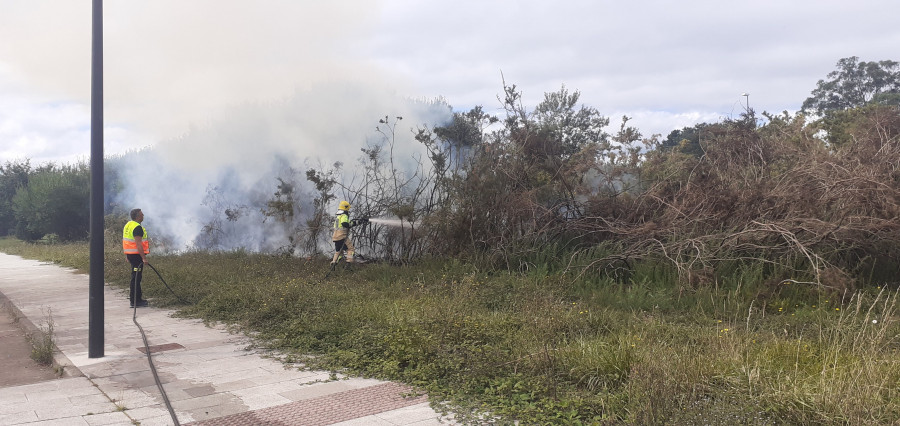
{"points": [[141, 304]]}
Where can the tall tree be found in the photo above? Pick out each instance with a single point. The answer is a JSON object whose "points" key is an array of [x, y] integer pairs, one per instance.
{"points": [[686, 140], [13, 175], [854, 84]]}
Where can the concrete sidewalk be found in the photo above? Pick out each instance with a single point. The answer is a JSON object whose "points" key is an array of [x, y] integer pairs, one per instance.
{"points": [[209, 375]]}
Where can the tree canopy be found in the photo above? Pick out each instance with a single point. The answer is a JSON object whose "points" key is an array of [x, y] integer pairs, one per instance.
{"points": [[855, 84]]}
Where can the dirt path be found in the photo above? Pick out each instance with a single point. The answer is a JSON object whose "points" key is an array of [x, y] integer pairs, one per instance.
{"points": [[16, 366]]}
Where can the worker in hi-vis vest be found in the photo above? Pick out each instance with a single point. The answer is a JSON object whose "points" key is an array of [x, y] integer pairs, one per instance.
{"points": [[136, 245], [341, 236]]}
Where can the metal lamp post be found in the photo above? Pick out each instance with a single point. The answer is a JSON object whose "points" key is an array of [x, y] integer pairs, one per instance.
{"points": [[95, 290]]}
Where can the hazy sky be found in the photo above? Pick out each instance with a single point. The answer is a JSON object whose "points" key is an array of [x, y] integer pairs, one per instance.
{"points": [[172, 66]]}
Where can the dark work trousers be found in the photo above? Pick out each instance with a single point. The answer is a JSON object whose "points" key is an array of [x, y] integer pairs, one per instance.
{"points": [[137, 266]]}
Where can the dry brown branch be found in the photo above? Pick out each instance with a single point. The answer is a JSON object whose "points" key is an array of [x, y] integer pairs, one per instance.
{"points": [[767, 199]]}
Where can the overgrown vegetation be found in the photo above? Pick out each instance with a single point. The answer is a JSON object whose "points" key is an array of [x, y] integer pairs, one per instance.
{"points": [[543, 347], [736, 272]]}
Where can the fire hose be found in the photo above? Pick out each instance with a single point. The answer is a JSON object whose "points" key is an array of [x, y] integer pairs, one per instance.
{"points": [[159, 385]]}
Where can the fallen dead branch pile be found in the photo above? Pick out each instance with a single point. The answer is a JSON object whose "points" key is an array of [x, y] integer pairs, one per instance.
{"points": [[776, 194]]}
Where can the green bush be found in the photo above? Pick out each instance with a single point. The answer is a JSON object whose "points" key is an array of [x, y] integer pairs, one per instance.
{"points": [[56, 200]]}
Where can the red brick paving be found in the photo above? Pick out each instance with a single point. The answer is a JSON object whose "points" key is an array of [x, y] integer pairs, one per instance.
{"points": [[325, 410]]}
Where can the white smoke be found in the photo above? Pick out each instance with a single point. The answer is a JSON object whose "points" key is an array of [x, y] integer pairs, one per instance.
{"points": [[169, 64], [235, 162], [230, 95]]}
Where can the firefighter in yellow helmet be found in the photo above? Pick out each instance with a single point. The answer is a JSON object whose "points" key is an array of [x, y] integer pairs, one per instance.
{"points": [[341, 236]]}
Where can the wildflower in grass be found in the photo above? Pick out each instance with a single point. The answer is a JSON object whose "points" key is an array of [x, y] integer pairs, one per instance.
{"points": [[837, 309]]}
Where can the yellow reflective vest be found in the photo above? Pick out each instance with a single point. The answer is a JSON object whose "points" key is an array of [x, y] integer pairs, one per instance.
{"points": [[128, 243], [340, 232]]}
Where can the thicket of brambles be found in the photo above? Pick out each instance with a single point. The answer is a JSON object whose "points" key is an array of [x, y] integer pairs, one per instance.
{"points": [[813, 195]]}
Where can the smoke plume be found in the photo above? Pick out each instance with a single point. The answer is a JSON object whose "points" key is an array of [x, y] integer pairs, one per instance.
{"points": [[231, 97], [226, 172]]}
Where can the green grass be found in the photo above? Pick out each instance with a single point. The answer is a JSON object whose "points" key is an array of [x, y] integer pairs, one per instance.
{"points": [[547, 348]]}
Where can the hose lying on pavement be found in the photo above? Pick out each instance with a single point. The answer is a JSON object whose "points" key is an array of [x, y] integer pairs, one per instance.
{"points": [[147, 348], [153, 369]]}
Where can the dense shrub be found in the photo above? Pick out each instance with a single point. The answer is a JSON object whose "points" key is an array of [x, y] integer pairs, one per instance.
{"points": [[56, 200]]}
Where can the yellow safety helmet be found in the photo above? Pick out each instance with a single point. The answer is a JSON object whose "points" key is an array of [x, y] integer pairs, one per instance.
{"points": [[344, 205]]}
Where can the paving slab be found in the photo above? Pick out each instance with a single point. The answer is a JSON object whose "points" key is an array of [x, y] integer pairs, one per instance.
{"points": [[210, 375]]}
